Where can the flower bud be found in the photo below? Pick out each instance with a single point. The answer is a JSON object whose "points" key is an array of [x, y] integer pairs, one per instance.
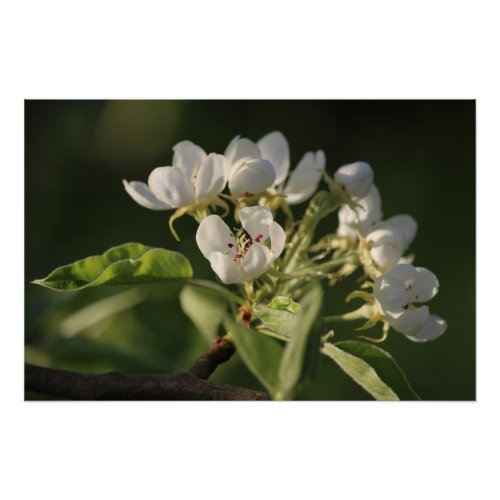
{"points": [[356, 178], [251, 176]]}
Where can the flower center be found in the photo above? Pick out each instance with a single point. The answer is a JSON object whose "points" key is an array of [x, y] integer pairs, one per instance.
{"points": [[243, 244]]}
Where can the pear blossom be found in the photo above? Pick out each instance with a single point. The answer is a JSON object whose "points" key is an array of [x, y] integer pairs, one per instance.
{"points": [[304, 179], [194, 176], [389, 240], [362, 218], [396, 292], [355, 178], [247, 172], [248, 253], [274, 150]]}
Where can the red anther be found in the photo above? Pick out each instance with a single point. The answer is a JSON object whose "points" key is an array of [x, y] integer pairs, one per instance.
{"points": [[259, 237], [250, 242], [230, 245], [238, 255]]}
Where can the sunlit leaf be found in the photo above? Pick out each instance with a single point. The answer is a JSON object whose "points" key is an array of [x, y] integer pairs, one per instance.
{"points": [[372, 368], [384, 365], [128, 264], [279, 316]]}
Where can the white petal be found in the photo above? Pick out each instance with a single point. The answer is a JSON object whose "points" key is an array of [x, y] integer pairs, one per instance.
{"points": [[214, 235], [411, 321], [211, 177], [274, 147], [188, 157], [256, 221], [386, 246], [346, 230], [225, 267], [347, 216], [278, 239], [170, 185], [241, 147], [251, 176], [140, 193], [390, 294], [425, 286], [371, 211], [407, 259], [421, 284], [256, 261], [357, 178], [403, 272], [433, 328], [365, 217], [304, 180], [407, 225]]}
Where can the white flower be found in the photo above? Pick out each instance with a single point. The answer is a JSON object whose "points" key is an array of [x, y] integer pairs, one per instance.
{"points": [[250, 172], [389, 240], [248, 254], [247, 172], [304, 180], [193, 176], [363, 218], [397, 290], [356, 178]]}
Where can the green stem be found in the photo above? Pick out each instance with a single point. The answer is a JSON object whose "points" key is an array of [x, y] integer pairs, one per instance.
{"points": [[363, 312], [318, 269], [249, 290], [319, 207]]}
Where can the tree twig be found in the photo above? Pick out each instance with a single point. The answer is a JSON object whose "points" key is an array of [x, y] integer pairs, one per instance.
{"points": [[220, 351], [190, 385]]}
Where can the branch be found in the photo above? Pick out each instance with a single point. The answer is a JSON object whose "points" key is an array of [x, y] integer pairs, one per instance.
{"points": [[220, 351], [190, 385]]}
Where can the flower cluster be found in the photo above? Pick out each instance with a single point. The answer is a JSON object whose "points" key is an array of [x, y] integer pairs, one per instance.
{"points": [[259, 251], [196, 179], [398, 285]]}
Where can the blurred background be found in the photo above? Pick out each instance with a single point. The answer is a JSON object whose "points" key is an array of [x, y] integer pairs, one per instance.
{"points": [[78, 152]]}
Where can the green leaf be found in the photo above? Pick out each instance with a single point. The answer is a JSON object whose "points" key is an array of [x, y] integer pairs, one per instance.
{"points": [[294, 357], [205, 307], [384, 365], [128, 264], [272, 333], [100, 312], [279, 316], [372, 368], [261, 354], [218, 289]]}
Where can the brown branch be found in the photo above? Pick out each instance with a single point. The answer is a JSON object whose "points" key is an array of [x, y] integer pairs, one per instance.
{"points": [[220, 351], [191, 385]]}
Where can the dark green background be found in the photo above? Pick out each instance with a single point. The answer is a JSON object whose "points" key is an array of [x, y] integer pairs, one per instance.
{"points": [[78, 152]]}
